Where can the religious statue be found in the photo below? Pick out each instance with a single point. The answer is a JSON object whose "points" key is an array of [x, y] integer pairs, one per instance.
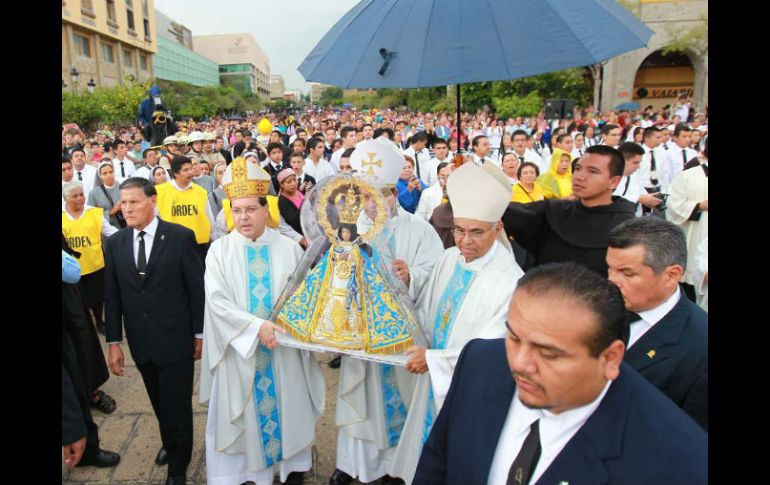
{"points": [[348, 301]]}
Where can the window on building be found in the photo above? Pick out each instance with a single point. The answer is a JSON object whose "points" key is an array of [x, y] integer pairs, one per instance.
{"points": [[111, 10], [82, 45], [107, 54], [130, 14], [146, 25], [143, 62], [128, 58]]}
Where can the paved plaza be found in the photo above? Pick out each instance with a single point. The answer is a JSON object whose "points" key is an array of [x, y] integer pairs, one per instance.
{"points": [[133, 432]]}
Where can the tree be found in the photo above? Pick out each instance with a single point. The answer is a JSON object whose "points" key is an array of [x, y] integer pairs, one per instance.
{"points": [[331, 96]]}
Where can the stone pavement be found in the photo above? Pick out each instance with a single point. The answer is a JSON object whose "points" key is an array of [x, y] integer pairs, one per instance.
{"points": [[132, 431]]}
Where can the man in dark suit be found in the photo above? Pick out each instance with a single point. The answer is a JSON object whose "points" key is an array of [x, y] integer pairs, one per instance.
{"points": [[275, 163], [154, 283], [565, 408], [668, 342]]}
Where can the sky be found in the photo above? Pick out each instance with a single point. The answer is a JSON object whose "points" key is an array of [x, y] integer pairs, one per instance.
{"points": [[287, 30]]}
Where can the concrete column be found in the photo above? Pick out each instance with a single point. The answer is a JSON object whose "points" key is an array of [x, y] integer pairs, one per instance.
{"points": [[97, 53], [119, 54]]}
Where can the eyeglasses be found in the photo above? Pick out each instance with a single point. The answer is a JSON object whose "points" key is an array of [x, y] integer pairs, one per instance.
{"points": [[474, 234], [251, 210]]}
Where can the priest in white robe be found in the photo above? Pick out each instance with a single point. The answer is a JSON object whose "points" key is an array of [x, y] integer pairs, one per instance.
{"points": [[466, 297], [373, 398], [688, 208], [264, 399]]}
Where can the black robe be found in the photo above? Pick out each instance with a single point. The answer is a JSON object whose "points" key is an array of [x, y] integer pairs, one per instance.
{"points": [[564, 230], [290, 213]]}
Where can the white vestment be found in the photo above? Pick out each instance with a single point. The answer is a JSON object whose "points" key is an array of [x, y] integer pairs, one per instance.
{"points": [[366, 442], [231, 353], [481, 314], [688, 189]]}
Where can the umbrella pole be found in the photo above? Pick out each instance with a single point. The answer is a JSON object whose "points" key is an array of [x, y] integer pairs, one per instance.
{"points": [[459, 147]]}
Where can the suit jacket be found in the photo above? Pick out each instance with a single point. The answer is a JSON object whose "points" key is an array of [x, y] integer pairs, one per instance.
{"points": [[678, 367], [161, 314], [274, 173], [635, 436]]}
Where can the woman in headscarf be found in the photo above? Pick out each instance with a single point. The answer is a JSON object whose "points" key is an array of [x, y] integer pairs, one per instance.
{"points": [[557, 182], [107, 195]]}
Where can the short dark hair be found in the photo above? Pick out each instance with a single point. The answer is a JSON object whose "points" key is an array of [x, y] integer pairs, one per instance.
{"points": [[649, 131], [139, 183], [379, 131], [441, 166], [477, 139], [418, 137], [345, 130], [273, 146], [629, 149], [519, 132], [297, 155], [118, 142], [440, 141], [66, 160], [617, 163], [527, 164], [680, 127], [608, 127], [74, 149], [573, 280], [107, 146], [299, 140], [313, 142], [177, 162], [664, 242], [561, 137]]}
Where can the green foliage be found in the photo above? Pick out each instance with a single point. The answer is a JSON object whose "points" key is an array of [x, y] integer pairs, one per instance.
{"points": [[693, 39], [118, 105], [331, 96], [513, 106]]}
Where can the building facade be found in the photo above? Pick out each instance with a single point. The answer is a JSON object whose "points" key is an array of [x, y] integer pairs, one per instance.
{"points": [[242, 62], [651, 77], [176, 60], [107, 42], [277, 86], [316, 90]]}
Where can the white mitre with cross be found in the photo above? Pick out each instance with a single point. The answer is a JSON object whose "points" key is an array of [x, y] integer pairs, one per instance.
{"points": [[377, 163]]}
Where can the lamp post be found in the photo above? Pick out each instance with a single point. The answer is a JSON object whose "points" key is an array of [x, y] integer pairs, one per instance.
{"points": [[91, 85], [74, 75]]}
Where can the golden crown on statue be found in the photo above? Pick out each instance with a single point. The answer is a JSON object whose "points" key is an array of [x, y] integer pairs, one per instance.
{"points": [[350, 207]]}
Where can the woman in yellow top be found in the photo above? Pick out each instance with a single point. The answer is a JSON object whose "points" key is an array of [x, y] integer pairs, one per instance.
{"points": [[83, 226], [557, 182], [527, 190]]}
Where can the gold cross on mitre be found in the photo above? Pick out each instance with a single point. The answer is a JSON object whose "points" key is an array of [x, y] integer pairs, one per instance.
{"points": [[370, 163]]}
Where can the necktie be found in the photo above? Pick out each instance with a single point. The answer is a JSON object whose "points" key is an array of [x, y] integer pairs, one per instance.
{"points": [[653, 170], [122, 170], [524, 464], [628, 181], [417, 164], [141, 263], [684, 157], [632, 317], [521, 159], [80, 176]]}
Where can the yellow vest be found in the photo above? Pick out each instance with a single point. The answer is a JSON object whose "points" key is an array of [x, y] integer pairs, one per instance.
{"points": [[185, 207], [274, 216], [85, 236]]}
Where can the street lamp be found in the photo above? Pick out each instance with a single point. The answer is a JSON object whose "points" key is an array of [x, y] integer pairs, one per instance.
{"points": [[91, 85], [74, 74]]}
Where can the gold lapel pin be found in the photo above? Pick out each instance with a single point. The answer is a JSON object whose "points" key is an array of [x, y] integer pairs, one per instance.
{"points": [[651, 354]]}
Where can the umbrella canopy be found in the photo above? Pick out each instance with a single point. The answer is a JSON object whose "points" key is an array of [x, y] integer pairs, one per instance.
{"points": [[631, 105], [421, 43]]}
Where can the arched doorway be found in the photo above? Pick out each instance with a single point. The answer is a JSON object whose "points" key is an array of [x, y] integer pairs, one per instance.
{"points": [[660, 78]]}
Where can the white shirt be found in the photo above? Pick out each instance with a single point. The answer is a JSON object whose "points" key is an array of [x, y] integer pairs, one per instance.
{"points": [[145, 172], [128, 165], [319, 172], [555, 432], [635, 188], [651, 317], [87, 176], [427, 168], [478, 161], [645, 167], [675, 164]]}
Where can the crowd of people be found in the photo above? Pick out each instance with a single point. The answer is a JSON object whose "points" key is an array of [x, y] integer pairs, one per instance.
{"points": [[575, 249]]}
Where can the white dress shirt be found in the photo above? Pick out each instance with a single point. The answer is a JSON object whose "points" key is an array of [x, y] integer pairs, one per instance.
{"points": [[555, 432], [319, 172], [675, 164], [128, 165], [634, 189], [477, 160], [145, 172], [651, 317], [645, 167], [87, 176]]}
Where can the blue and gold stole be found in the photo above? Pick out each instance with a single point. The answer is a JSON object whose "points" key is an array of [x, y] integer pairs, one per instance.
{"points": [[451, 300], [265, 398]]}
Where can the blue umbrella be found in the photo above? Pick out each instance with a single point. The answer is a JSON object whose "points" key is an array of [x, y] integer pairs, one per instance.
{"points": [[631, 105], [347, 105], [421, 43]]}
